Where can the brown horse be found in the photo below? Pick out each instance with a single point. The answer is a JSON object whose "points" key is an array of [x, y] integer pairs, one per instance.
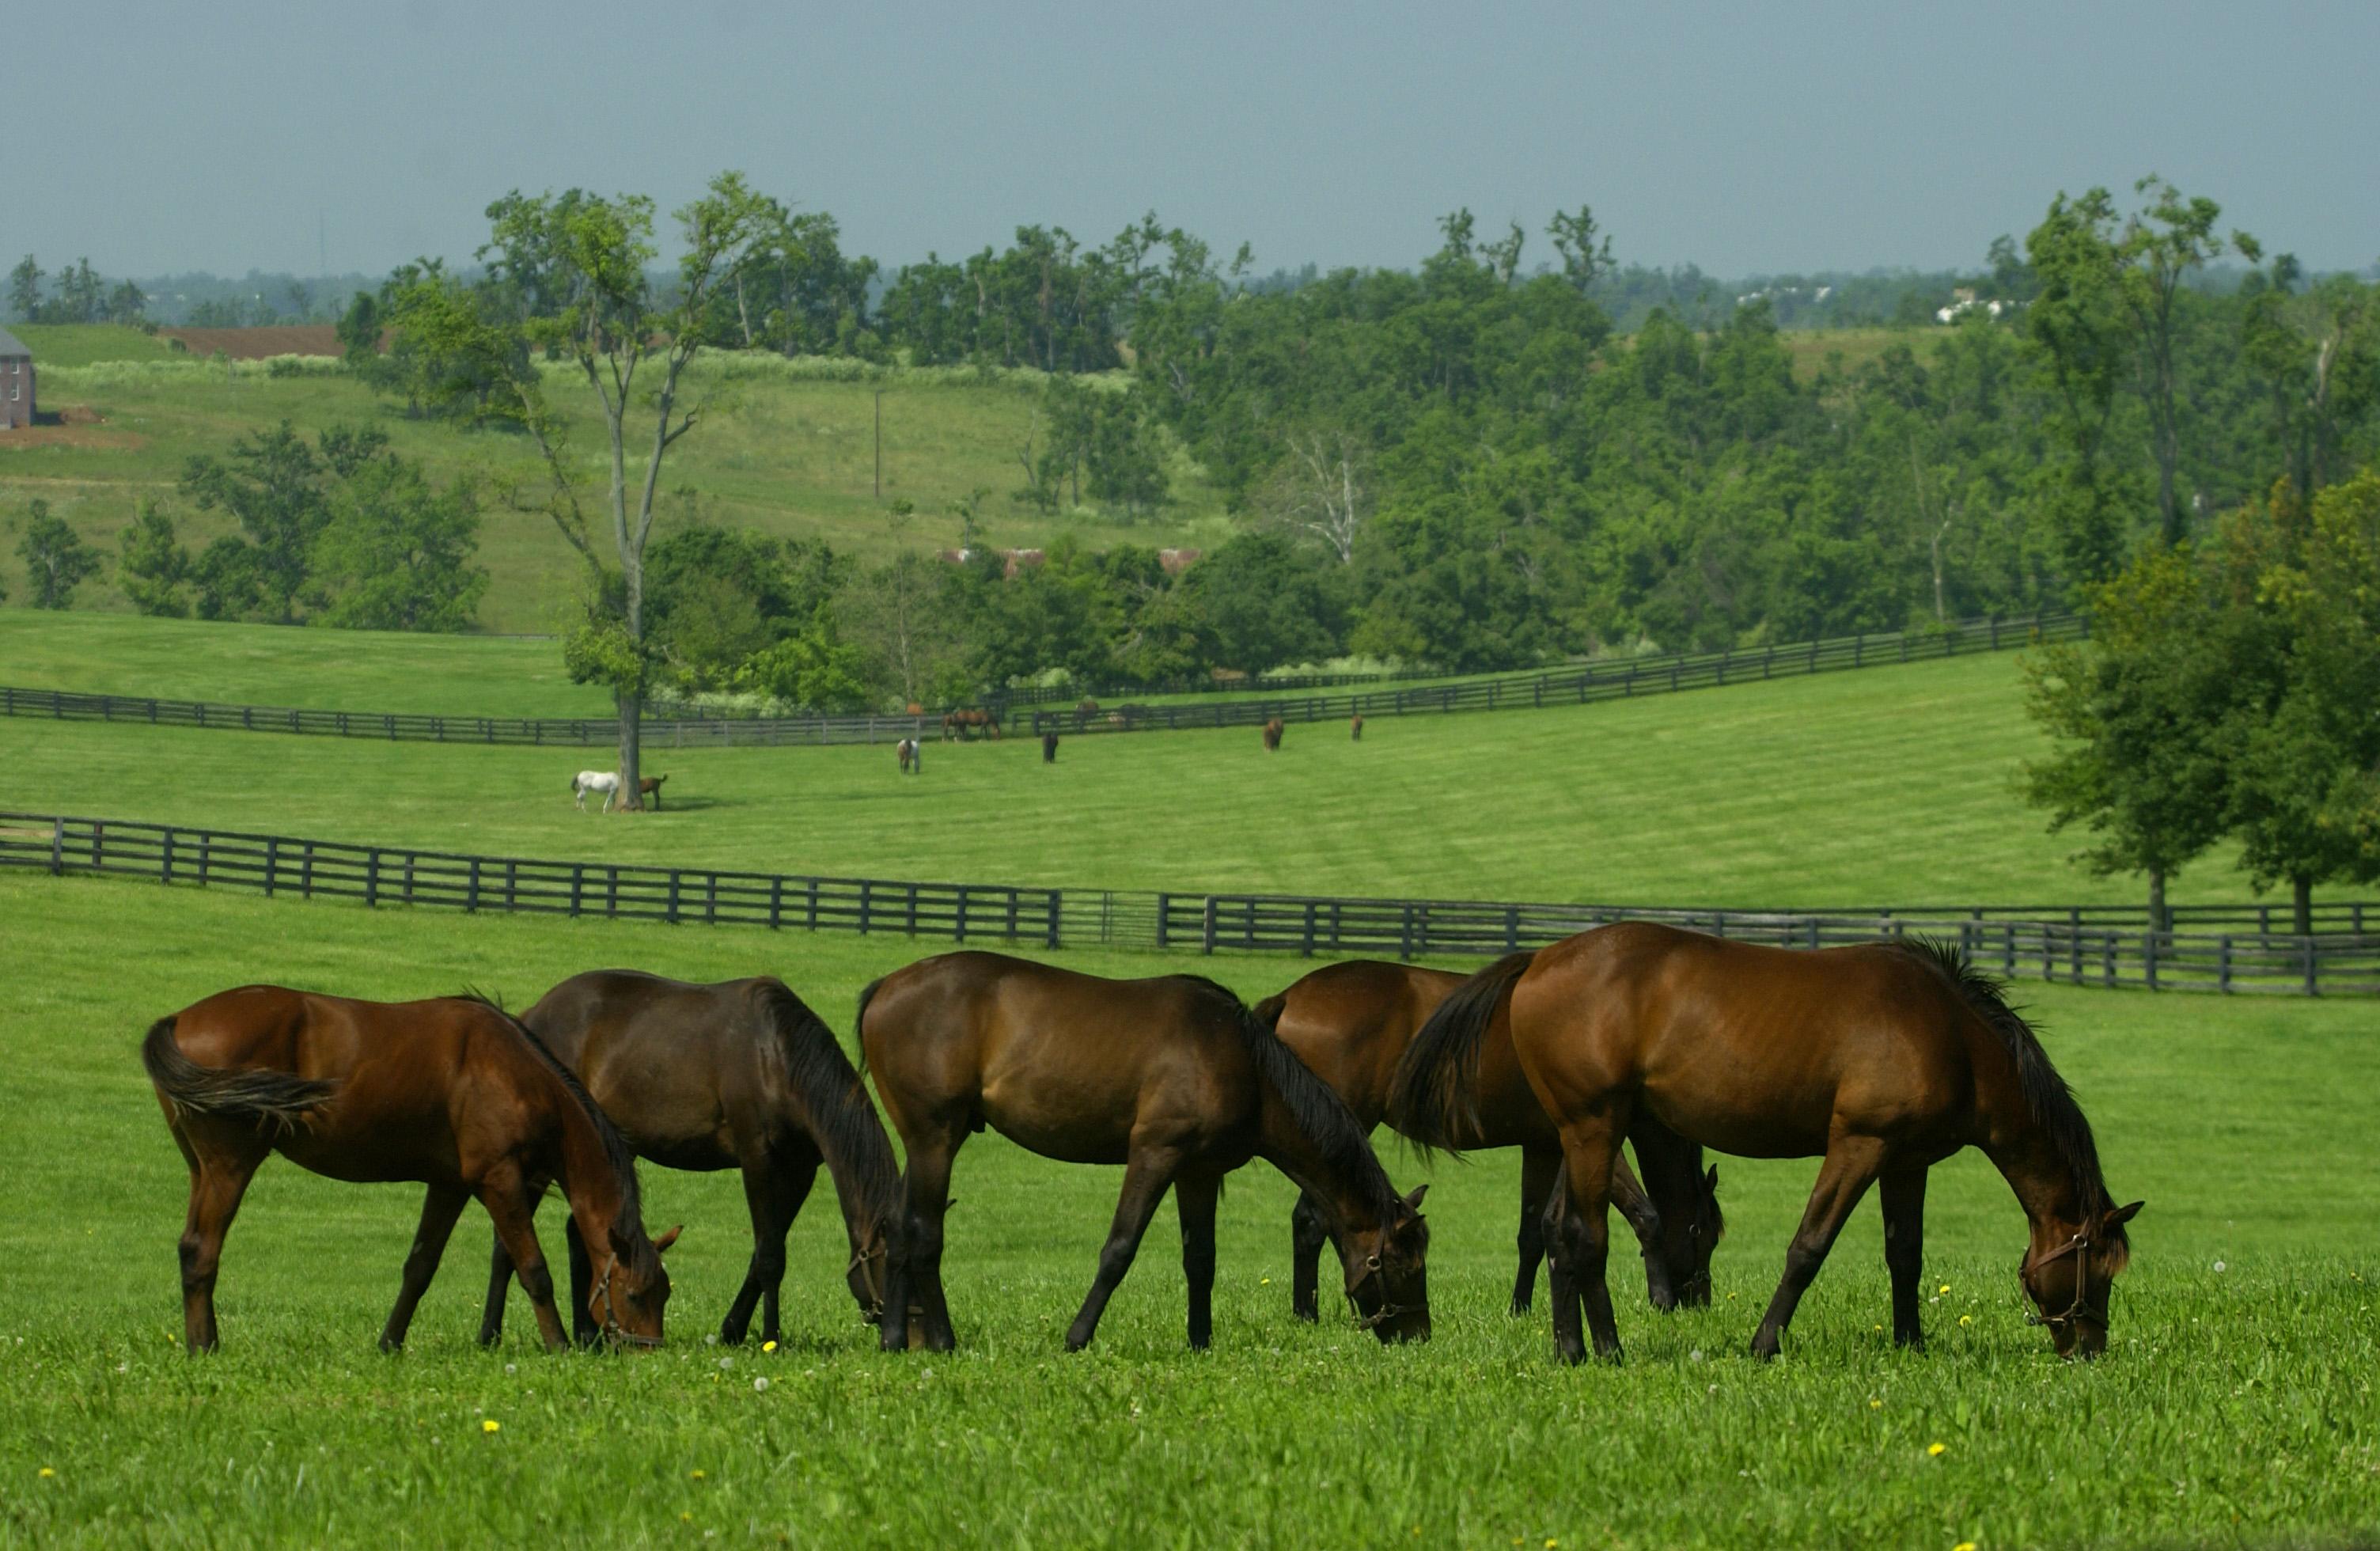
{"points": [[1172, 1077], [450, 1092], [1355, 727], [737, 1075], [970, 723], [1350, 1022], [1272, 731], [651, 786], [1885, 1059]]}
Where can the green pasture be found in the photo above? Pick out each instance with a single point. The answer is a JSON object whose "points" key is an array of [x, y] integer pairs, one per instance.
{"points": [[786, 447], [2235, 1407], [1882, 786]]}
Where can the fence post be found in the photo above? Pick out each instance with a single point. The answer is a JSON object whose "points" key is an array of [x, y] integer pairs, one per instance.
{"points": [[1052, 940], [1207, 926], [1164, 921], [471, 888], [2223, 963], [512, 884], [776, 901], [306, 871], [2312, 979], [371, 879], [57, 846], [271, 862], [865, 889], [1305, 944], [672, 914], [2149, 955]]}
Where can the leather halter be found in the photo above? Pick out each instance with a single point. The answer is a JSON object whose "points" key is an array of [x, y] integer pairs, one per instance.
{"points": [[870, 1312], [1387, 1309], [612, 1331], [2075, 1311]]}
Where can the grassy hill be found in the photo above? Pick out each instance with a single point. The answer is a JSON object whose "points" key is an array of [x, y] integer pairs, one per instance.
{"points": [[1889, 785]]}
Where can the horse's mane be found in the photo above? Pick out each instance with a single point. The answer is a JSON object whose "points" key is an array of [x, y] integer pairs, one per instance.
{"points": [[1314, 1108], [630, 1218], [2047, 1097], [831, 1092]]}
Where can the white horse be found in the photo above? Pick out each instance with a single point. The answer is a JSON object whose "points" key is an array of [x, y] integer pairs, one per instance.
{"points": [[605, 782]]}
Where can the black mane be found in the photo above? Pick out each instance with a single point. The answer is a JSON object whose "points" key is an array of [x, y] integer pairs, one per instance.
{"points": [[831, 1093], [630, 1220]]}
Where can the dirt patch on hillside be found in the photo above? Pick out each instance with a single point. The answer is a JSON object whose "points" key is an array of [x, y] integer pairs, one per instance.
{"points": [[254, 344], [77, 425]]}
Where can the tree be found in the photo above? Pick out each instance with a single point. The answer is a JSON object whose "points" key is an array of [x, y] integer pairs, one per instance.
{"points": [[2137, 715], [2077, 325], [273, 483], [2161, 245], [2316, 351], [25, 289], [55, 559], [594, 253], [1584, 258], [155, 566], [1321, 490], [396, 552]]}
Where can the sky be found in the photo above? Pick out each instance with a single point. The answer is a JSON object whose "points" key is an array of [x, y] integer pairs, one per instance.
{"points": [[1825, 135]]}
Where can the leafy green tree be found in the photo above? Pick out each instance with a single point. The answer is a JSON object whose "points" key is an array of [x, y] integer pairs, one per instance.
{"points": [[155, 567], [273, 484], [811, 667], [396, 554], [1259, 603], [57, 561], [25, 289], [2136, 717], [2315, 350], [2078, 325], [2162, 245]]}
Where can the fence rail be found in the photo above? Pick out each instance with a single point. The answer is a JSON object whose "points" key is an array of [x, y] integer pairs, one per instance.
{"points": [[2226, 948], [1608, 681]]}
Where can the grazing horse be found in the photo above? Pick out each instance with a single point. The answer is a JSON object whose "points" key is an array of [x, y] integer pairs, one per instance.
{"points": [[1049, 748], [605, 782], [969, 723], [1172, 1077], [1350, 1022], [451, 1092], [651, 786], [912, 756], [1355, 728], [1885, 1059], [738, 1076], [1272, 731]]}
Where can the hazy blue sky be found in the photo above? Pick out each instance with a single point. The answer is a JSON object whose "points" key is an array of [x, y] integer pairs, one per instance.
{"points": [[1743, 139]]}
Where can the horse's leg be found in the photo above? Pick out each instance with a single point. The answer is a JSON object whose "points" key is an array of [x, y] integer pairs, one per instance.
{"points": [[440, 1207], [1538, 1167], [1904, 1249], [1635, 1204], [774, 1191], [500, 1276], [508, 1202], [1851, 1165], [917, 1261], [583, 1328], [1561, 1279], [223, 1160], [1308, 1232], [1590, 1152], [1145, 1178], [1194, 1199]]}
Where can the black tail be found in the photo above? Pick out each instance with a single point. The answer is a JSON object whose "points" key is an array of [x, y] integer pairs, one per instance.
{"points": [[829, 1089], [269, 1100], [1434, 1097], [859, 1018], [1267, 1011]]}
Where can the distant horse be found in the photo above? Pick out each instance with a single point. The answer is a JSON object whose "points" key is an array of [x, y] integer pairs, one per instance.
{"points": [[1885, 1059], [970, 723], [605, 782], [912, 756], [1350, 1023], [1355, 727], [1087, 706], [738, 1076], [1272, 731], [451, 1092], [1049, 748], [1172, 1077], [651, 786]]}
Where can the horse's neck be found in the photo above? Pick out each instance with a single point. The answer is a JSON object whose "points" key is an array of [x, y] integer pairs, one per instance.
{"points": [[863, 1186], [2021, 1149], [589, 1180], [1286, 1147]]}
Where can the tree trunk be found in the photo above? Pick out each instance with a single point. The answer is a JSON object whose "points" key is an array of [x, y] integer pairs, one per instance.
{"points": [[2158, 920], [632, 730], [2301, 904]]}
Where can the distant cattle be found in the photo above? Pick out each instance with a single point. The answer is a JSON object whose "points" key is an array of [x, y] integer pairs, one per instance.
{"points": [[1272, 731]]}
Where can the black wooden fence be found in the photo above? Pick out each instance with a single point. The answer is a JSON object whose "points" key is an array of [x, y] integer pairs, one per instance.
{"points": [[1606, 681], [2218, 948]]}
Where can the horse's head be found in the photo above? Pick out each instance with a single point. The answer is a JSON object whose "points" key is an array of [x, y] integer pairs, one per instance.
{"points": [[632, 1288], [2067, 1271], [871, 1246], [1388, 1273], [1688, 1238]]}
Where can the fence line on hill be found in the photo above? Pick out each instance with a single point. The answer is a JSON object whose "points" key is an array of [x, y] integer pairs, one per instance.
{"points": [[1595, 682], [2088, 945], [1645, 675]]}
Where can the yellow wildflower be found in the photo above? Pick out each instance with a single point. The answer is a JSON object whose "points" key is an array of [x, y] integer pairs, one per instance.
{"points": [[491, 1426], [1935, 1450]]}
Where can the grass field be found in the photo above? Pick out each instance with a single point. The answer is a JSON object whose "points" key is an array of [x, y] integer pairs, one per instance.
{"points": [[782, 450], [1884, 786], [2235, 1407]]}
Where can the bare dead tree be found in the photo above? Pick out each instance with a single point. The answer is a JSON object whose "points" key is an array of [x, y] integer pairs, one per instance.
{"points": [[1319, 490]]}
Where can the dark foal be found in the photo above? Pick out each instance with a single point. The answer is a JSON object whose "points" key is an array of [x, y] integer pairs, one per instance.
{"points": [[451, 1092], [1172, 1077], [737, 1075]]}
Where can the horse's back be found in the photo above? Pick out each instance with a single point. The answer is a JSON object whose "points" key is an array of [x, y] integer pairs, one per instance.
{"points": [[679, 1066], [1350, 1021]]}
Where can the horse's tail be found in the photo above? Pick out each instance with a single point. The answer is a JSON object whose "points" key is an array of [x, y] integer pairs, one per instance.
{"points": [[269, 1100], [859, 1018], [1267, 1012], [829, 1090], [1434, 1096]]}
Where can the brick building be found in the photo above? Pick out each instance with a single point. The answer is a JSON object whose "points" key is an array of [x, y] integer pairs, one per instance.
{"points": [[16, 383]]}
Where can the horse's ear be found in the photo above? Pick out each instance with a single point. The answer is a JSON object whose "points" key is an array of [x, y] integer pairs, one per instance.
{"points": [[666, 1239], [1413, 1197], [1710, 1180], [2121, 1216]]}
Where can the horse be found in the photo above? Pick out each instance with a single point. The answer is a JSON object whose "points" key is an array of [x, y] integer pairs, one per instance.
{"points": [[605, 782], [1172, 1077], [1049, 748], [451, 1092], [1350, 1023], [965, 724], [912, 756], [1884, 1057], [737, 1075], [651, 786], [1355, 728], [1272, 731]]}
